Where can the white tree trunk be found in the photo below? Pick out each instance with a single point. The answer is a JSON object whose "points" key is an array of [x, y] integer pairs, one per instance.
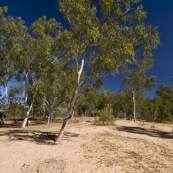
{"points": [[134, 106], [26, 97], [26, 88], [27, 116], [25, 100], [48, 119], [125, 116], [51, 109]]}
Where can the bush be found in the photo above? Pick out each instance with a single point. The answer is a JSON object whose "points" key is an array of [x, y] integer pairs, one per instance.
{"points": [[105, 116], [76, 120]]}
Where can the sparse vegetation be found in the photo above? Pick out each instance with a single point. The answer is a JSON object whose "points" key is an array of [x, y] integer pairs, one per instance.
{"points": [[106, 117], [52, 71]]}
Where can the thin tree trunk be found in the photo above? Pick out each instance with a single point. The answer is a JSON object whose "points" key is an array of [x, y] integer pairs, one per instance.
{"points": [[25, 101], [69, 115], [52, 109], [26, 87], [48, 119], [70, 112], [6, 90], [27, 116], [125, 116], [26, 98], [134, 106]]}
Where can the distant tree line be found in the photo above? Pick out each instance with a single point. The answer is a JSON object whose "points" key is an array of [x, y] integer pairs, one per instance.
{"points": [[157, 109]]}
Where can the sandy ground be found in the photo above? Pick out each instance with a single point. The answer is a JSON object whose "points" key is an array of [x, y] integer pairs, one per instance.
{"points": [[125, 147]]}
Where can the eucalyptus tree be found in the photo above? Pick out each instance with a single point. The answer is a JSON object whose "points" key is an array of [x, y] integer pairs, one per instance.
{"points": [[15, 100], [105, 97], [39, 52], [55, 88], [12, 33], [88, 102], [137, 80], [102, 39], [164, 101], [122, 105], [148, 109]]}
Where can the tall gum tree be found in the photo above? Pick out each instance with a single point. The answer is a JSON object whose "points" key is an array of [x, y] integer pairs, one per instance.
{"points": [[102, 39], [55, 89], [137, 80], [38, 53], [12, 32]]}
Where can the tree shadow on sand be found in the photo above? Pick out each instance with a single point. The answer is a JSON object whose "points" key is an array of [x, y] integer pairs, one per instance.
{"points": [[37, 136], [19, 123], [149, 132]]}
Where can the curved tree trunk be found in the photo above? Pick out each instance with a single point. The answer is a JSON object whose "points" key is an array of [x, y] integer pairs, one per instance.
{"points": [[69, 115], [70, 112], [64, 125], [25, 121]]}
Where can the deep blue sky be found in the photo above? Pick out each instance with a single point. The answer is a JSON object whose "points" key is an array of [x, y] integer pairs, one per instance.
{"points": [[159, 13]]}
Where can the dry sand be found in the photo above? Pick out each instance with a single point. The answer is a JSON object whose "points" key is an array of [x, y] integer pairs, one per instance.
{"points": [[125, 147]]}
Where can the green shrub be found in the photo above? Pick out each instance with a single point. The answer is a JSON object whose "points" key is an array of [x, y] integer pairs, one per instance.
{"points": [[105, 116], [76, 120]]}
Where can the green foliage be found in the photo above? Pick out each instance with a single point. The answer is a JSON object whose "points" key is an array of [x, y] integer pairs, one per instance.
{"points": [[136, 79], [76, 120], [106, 36], [105, 116], [88, 101], [12, 35], [137, 82], [60, 111], [123, 105], [164, 101], [15, 110], [110, 40], [15, 94]]}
